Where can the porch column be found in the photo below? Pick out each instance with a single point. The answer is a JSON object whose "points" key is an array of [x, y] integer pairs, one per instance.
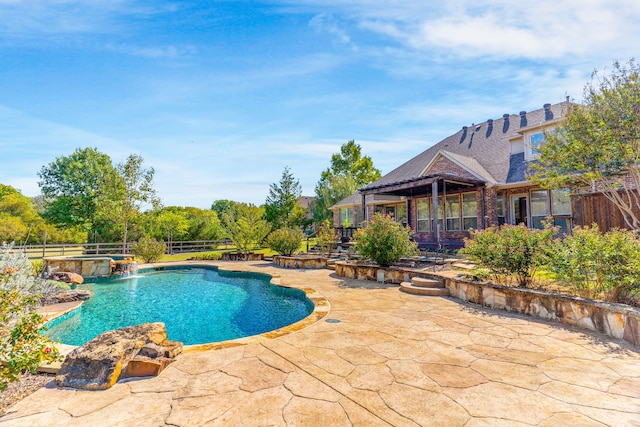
{"points": [[436, 225], [364, 208]]}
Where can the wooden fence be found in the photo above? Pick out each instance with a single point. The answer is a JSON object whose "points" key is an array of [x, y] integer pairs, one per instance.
{"points": [[71, 249]]}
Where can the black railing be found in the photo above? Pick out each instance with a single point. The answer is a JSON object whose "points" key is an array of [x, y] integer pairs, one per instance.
{"points": [[345, 234]]}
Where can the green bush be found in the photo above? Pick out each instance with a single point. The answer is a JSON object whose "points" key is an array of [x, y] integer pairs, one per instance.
{"points": [[210, 256], [22, 347], [604, 266], [326, 238], [384, 240], [149, 249], [285, 241], [510, 250]]}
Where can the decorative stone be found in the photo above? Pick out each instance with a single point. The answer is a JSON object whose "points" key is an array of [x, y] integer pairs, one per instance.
{"points": [[68, 296], [142, 366], [67, 277], [98, 364]]}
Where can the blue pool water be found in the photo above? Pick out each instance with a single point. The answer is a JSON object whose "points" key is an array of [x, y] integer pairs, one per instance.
{"points": [[197, 305]]}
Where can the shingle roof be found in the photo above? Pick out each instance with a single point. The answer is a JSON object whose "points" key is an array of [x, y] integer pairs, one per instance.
{"points": [[483, 148]]}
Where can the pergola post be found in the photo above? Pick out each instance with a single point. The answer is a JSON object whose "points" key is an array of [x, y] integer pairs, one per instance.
{"points": [[364, 208], [436, 224]]}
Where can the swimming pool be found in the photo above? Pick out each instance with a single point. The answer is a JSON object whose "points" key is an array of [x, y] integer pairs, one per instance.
{"points": [[197, 304]]}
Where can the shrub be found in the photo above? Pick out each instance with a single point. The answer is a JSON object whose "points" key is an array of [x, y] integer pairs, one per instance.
{"points": [[384, 240], [285, 241], [210, 256], [326, 238], [149, 249], [598, 265], [511, 250], [22, 347]]}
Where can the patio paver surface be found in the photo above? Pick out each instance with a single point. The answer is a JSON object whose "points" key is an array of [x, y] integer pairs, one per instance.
{"points": [[392, 359]]}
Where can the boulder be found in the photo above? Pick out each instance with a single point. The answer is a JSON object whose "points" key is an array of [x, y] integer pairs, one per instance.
{"points": [[99, 364], [68, 296], [66, 277]]}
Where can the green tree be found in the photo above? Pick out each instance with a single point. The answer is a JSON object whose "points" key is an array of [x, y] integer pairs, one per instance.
{"points": [[597, 146], [281, 207], [349, 170], [329, 192], [246, 226], [72, 187], [223, 205], [20, 222], [384, 240], [126, 193]]}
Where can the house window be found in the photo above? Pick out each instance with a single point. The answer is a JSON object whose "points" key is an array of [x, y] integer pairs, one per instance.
{"points": [[535, 141], [539, 208], [500, 209], [561, 209], [452, 208], [401, 213], [469, 211], [423, 207], [346, 217]]}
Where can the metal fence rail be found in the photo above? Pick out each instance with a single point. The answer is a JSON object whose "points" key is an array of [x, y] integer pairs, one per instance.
{"points": [[69, 249]]}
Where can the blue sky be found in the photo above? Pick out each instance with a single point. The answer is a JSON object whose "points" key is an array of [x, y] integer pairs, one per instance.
{"points": [[220, 96]]}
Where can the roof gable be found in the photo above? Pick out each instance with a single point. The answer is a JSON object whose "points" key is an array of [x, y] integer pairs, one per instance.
{"points": [[456, 164]]}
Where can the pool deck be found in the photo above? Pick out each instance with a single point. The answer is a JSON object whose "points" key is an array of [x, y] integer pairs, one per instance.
{"points": [[381, 357]]}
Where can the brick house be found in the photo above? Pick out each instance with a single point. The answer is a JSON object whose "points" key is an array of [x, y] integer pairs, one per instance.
{"points": [[473, 179]]}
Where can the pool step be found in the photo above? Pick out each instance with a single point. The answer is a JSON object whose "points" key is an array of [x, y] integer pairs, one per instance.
{"points": [[425, 286]]}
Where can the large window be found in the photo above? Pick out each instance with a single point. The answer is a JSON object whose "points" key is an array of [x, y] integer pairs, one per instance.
{"points": [[469, 211], [535, 141], [539, 208], [397, 211], [423, 207], [346, 217], [501, 210], [561, 209], [452, 209]]}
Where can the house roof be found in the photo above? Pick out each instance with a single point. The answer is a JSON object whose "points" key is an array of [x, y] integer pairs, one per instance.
{"points": [[482, 148]]}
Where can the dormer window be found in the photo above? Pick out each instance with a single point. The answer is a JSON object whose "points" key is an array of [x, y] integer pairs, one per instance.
{"points": [[534, 142]]}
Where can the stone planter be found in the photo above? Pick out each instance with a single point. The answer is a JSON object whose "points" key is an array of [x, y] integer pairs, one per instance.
{"points": [[235, 256], [300, 261], [355, 270]]}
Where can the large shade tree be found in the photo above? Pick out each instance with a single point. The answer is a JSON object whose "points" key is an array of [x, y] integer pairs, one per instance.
{"points": [[73, 186], [597, 146], [349, 170]]}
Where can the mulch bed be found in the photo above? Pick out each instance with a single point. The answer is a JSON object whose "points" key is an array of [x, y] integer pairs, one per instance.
{"points": [[18, 390]]}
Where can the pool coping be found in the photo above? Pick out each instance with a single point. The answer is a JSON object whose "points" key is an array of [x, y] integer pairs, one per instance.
{"points": [[321, 308]]}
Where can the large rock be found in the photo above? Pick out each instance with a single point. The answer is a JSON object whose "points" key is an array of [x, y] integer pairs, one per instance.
{"points": [[67, 277], [99, 364], [68, 296]]}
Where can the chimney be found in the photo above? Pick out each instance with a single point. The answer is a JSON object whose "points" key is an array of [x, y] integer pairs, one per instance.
{"points": [[464, 134], [548, 114], [489, 128], [505, 125], [523, 119]]}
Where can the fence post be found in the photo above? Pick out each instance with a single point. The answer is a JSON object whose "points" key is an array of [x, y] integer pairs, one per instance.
{"points": [[44, 244]]}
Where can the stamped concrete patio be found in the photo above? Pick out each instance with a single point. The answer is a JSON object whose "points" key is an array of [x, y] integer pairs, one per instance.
{"points": [[383, 358]]}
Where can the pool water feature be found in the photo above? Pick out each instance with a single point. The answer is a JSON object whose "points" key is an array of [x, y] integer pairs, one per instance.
{"points": [[198, 305]]}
